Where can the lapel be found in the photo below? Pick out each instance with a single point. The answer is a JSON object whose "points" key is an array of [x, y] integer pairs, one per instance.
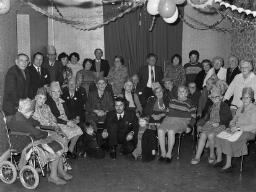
{"points": [[21, 74]]}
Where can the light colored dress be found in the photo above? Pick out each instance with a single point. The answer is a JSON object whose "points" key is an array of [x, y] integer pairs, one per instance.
{"points": [[75, 68], [117, 78]]}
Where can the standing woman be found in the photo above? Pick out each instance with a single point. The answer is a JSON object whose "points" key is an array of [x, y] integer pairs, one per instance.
{"points": [[87, 76], [175, 71], [74, 64], [117, 75], [217, 69], [66, 71]]}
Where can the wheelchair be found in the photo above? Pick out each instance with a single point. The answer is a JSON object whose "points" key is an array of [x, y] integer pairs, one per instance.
{"points": [[9, 169]]}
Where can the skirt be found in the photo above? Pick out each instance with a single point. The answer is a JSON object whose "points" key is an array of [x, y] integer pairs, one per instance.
{"points": [[177, 124], [208, 129], [237, 148], [71, 132]]}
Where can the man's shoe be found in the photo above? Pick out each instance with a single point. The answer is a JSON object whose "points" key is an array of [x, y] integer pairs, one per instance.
{"points": [[113, 153]]}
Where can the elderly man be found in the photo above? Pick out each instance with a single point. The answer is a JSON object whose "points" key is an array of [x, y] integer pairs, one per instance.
{"points": [[39, 76], [16, 85], [121, 127], [246, 79], [233, 69], [53, 66], [100, 66]]}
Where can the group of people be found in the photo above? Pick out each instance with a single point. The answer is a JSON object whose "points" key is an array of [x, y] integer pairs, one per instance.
{"points": [[90, 108]]}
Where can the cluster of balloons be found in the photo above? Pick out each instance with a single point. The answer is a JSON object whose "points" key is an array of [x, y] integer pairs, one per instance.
{"points": [[166, 8]]}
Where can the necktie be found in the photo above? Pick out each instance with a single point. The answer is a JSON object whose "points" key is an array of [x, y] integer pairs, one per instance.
{"points": [[39, 70], [152, 75]]}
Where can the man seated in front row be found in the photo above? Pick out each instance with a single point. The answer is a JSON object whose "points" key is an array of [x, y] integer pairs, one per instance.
{"points": [[121, 127]]}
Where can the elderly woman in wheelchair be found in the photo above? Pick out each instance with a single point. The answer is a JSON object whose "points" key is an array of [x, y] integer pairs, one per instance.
{"points": [[31, 149]]}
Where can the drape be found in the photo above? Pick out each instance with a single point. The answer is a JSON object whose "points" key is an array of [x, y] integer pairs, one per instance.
{"points": [[130, 37]]}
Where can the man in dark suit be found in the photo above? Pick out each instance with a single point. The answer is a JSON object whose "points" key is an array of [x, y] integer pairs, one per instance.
{"points": [[39, 76], [121, 127], [16, 85], [100, 66], [148, 75], [233, 69], [53, 66]]}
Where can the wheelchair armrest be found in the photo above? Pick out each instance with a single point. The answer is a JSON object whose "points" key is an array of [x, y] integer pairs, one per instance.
{"points": [[15, 133]]}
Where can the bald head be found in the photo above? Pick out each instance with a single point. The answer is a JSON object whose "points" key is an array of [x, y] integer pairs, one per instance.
{"points": [[51, 53]]}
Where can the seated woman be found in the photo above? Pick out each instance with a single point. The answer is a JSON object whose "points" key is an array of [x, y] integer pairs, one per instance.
{"points": [[49, 150], [170, 91], [59, 110], [180, 116], [216, 120], [132, 98], [245, 122], [155, 111]]}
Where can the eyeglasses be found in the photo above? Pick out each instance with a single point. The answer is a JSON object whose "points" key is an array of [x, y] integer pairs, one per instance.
{"points": [[245, 98]]}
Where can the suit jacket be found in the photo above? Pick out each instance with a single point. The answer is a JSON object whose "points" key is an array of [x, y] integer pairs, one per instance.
{"points": [[55, 71], [143, 75], [75, 104], [231, 74], [16, 87], [127, 124], [225, 115], [104, 67], [37, 80]]}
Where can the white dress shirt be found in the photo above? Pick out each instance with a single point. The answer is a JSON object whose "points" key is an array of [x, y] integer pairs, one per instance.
{"points": [[149, 83], [120, 115]]}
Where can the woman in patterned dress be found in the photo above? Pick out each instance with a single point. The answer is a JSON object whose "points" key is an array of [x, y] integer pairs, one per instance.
{"points": [[117, 76]]}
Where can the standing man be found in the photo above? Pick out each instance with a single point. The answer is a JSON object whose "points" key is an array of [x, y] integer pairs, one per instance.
{"points": [[16, 85], [233, 69], [121, 127], [53, 66], [193, 67], [39, 76], [148, 75], [100, 66]]}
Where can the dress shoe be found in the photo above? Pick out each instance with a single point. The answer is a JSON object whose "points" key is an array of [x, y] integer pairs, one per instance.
{"points": [[218, 164], [228, 170], [71, 155], [113, 153], [161, 159], [168, 160]]}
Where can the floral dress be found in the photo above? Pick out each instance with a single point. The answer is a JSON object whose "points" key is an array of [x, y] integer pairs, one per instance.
{"points": [[117, 78]]}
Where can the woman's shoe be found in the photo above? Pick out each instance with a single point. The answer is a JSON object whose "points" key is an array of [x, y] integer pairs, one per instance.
{"points": [[218, 164], [57, 181], [195, 161], [66, 176], [211, 160], [227, 170], [161, 159], [168, 160]]}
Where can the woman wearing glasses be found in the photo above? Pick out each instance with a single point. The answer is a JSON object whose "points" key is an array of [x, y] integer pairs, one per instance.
{"points": [[216, 120], [244, 122]]}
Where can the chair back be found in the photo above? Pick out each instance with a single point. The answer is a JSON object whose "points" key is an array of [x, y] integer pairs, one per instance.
{"points": [[5, 127]]}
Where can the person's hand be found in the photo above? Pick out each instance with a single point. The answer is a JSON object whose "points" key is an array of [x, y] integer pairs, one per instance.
{"points": [[215, 125], [104, 134], [129, 137], [233, 129], [89, 131], [38, 127], [70, 123]]}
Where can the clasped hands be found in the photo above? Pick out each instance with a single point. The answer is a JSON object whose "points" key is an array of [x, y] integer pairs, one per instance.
{"points": [[99, 113], [158, 117], [129, 136]]}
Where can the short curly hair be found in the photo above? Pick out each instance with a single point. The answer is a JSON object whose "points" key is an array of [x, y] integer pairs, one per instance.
{"points": [[74, 54]]}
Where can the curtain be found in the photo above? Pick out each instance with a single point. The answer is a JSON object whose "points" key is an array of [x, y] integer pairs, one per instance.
{"points": [[130, 37]]}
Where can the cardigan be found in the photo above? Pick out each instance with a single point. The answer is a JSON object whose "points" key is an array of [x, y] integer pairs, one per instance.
{"points": [[225, 115]]}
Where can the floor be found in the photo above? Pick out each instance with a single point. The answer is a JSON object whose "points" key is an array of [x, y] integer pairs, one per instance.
{"points": [[126, 175]]}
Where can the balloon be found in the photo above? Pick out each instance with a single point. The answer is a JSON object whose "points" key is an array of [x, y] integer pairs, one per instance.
{"points": [[166, 8], [173, 18], [179, 2], [4, 6], [152, 7]]}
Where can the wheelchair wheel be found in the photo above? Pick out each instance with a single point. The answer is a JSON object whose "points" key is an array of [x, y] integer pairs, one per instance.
{"points": [[8, 172], [29, 177]]}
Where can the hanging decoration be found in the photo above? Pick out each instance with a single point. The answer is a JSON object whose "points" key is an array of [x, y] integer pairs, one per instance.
{"points": [[4, 6], [167, 9], [200, 4], [235, 8]]}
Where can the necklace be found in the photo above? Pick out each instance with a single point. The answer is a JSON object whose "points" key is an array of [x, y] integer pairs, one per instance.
{"points": [[160, 107]]}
